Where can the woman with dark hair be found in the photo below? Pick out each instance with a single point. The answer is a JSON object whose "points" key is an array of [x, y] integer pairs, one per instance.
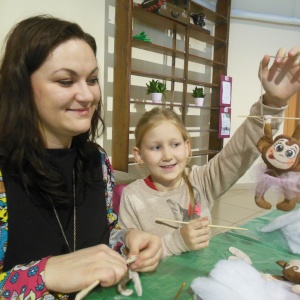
{"points": [[56, 183]]}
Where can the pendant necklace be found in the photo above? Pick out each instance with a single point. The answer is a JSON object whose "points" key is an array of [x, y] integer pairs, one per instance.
{"points": [[74, 212]]}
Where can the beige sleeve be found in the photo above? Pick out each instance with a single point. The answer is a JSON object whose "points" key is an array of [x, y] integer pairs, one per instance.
{"points": [[237, 156], [173, 244]]}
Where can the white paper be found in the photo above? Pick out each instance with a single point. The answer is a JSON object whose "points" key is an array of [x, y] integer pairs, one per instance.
{"points": [[226, 92], [225, 124]]}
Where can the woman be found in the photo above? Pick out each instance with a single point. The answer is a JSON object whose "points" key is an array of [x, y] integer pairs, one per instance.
{"points": [[56, 182]]}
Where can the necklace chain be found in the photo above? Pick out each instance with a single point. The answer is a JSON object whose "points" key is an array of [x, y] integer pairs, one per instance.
{"points": [[74, 212]]}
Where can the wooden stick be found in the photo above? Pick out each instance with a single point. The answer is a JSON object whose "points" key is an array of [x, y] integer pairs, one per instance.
{"points": [[261, 117], [177, 295], [210, 225], [85, 291], [227, 227]]}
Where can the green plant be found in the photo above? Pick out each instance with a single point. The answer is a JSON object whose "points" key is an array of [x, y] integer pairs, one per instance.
{"points": [[156, 86], [198, 92]]}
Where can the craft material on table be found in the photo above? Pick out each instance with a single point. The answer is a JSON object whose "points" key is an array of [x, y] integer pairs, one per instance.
{"points": [[263, 248], [83, 293]]}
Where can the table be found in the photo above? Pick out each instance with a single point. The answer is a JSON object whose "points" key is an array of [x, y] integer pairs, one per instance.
{"points": [[264, 249]]}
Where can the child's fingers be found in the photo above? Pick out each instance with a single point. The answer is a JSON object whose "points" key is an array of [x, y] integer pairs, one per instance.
{"points": [[199, 223]]}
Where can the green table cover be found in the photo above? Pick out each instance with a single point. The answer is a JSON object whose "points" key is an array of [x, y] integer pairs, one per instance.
{"points": [[264, 249]]}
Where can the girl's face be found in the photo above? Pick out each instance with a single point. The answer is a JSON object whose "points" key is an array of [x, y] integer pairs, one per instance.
{"points": [[165, 153], [66, 92]]}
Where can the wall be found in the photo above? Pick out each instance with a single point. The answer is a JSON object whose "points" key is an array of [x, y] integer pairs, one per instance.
{"points": [[250, 39]]}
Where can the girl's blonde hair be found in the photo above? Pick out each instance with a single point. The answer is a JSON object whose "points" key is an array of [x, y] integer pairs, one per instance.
{"points": [[153, 118]]}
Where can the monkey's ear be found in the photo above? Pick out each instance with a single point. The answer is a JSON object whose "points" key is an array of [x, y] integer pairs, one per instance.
{"points": [[264, 143]]}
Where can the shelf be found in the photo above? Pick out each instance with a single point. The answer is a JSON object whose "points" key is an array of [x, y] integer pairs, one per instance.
{"points": [[205, 61], [202, 83], [203, 107], [180, 68], [174, 53], [169, 104], [209, 14], [158, 20], [197, 34], [157, 48], [156, 76]]}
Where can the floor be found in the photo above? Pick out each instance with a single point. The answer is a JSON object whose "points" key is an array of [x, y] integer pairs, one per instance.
{"points": [[237, 206]]}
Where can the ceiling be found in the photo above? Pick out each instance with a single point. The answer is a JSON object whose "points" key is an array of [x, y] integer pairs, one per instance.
{"points": [[282, 8]]}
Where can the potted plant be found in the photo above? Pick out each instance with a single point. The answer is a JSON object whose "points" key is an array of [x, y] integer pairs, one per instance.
{"points": [[157, 89], [198, 94]]}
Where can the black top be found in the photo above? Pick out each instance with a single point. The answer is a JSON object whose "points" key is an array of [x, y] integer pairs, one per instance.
{"points": [[33, 230]]}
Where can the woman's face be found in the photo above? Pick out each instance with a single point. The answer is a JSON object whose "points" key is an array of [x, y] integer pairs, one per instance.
{"points": [[66, 92]]}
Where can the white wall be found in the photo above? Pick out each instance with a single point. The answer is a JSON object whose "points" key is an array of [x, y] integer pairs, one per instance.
{"points": [[249, 41]]}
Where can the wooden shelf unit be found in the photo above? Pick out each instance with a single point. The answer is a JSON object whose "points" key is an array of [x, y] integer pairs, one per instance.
{"points": [[126, 15]]}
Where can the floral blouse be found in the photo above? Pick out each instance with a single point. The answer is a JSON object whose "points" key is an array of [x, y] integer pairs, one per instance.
{"points": [[27, 281]]}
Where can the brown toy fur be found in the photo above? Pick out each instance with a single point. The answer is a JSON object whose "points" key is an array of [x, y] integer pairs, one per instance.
{"points": [[290, 271], [288, 144]]}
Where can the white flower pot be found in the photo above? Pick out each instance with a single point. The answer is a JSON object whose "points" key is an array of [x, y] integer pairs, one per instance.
{"points": [[156, 97], [199, 101]]}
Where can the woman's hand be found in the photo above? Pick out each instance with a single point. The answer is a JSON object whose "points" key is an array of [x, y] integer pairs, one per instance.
{"points": [[72, 272], [195, 234], [146, 246], [282, 79]]}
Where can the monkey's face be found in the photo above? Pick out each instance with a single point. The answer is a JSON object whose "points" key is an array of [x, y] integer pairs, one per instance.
{"points": [[282, 154]]}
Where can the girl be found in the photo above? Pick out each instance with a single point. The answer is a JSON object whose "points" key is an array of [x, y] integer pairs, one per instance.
{"points": [[177, 192]]}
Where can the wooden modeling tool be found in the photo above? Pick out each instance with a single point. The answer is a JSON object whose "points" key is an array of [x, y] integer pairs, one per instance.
{"points": [[210, 225], [85, 291]]}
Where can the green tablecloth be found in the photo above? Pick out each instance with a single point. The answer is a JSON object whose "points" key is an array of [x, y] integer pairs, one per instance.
{"points": [[264, 249]]}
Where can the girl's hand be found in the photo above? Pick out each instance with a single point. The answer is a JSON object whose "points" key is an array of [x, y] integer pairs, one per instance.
{"points": [[195, 234], [75, 271], [146, 246], [282, 79]]}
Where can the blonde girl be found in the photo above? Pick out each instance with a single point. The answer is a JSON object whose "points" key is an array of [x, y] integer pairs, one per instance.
{"points": [[181, 193]]}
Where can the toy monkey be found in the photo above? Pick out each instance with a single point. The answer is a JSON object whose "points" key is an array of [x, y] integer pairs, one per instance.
{"points": [[282, 159]]}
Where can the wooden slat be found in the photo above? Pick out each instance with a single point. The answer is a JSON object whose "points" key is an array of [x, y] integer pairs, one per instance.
{"points": [[157, 20], [221, 55], [156, 75], [121, 91], [157, 48]]}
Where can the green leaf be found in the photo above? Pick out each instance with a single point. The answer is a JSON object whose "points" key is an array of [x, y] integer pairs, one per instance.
{"points": [[198, 92], [156, 86]]}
